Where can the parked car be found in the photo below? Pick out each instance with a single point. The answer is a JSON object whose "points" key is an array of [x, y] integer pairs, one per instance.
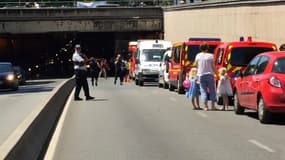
{"points": [[21, 74], [8, 77], [261, 86]]}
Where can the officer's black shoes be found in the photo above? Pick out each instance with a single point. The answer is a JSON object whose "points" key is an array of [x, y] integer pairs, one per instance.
{"points": [[78, 99], [89, 98]]}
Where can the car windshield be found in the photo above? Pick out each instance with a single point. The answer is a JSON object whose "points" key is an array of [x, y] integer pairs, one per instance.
{"points": [[5, 68], [241, 56], [279, 66], [152, 54], [193, 50]]}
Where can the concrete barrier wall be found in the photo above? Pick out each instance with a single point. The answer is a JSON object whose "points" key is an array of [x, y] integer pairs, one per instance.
{"points": [[262, 21], [34, 140]]}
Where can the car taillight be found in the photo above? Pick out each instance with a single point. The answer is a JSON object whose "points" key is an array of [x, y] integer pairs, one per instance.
{"points": [[275, 82]]}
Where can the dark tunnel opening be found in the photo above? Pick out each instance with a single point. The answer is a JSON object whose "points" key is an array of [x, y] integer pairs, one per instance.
{"points": [[48, 55]]}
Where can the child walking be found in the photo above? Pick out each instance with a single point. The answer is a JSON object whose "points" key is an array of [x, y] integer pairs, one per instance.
{"points": [[193, 92], [224, 88]]}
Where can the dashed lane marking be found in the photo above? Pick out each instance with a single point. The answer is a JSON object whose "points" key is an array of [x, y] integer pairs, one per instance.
{"points": [[202, 114], [260, 145]]}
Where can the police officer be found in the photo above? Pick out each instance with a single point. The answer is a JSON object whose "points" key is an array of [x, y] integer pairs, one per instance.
{"points": [[80, 72]]}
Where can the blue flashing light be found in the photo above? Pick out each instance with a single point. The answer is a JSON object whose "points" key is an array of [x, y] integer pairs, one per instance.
{"points": [[241, 38]]}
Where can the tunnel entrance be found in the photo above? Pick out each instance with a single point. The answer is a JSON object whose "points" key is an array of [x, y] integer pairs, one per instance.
{"points": [[48, 55]]}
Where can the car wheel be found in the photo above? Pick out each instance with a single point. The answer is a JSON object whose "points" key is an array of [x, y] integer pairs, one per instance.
{"points": [[141, 83], [180, 87], [237, 107], [263, 114], [170, 87], [165, 85]]}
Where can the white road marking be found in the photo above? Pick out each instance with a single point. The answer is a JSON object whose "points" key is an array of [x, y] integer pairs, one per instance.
{"points": [[202, 114], [55, 138], [172, 99], [260, 145]]}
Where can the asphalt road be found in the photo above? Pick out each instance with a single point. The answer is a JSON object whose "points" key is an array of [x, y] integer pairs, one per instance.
{"points": [[16, 106], [149, 123]]}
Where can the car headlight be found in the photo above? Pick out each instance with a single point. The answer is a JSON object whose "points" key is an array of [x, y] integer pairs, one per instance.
{"points": [[146, 70], [10, 77]]}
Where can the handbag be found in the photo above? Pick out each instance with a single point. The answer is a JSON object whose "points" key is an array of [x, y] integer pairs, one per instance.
{"points": [[186, 84]]}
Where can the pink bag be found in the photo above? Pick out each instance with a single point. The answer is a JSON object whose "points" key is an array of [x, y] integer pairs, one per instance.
{"points": [[186, 84]]}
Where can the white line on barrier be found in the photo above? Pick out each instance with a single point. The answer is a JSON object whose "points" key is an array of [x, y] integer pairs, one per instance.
{"points": [[260, 145], [55, 138]]}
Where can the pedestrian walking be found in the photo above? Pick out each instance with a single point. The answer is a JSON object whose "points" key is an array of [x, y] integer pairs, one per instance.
{"points": [[104, 67], [206, 70], [119, 69], [224, 88], [80, 71], [94, 70], [193, 91]]}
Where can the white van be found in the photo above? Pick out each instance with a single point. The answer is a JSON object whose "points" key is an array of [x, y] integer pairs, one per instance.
{"points": [[163, 78], [149, 55]]}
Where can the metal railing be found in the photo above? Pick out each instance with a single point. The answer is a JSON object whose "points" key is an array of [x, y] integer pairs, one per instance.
{"points": [[121, 3]]}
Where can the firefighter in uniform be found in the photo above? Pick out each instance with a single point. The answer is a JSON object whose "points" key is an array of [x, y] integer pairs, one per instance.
{"points": [[80, 71]]}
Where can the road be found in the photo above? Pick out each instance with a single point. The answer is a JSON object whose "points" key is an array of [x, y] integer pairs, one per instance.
{"points": [[17, 108], [129, 122]]}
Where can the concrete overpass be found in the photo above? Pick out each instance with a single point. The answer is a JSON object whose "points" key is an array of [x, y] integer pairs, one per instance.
{"points": [[261, 19], [32, 20]]}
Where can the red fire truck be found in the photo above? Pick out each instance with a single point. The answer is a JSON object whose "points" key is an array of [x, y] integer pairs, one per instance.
{"points": [[234, 56], [182, 57], [132, 49]]}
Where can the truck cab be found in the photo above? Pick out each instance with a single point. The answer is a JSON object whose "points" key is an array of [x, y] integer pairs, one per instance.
{"points": [[234, 56], [182, 58], [149, 55]]}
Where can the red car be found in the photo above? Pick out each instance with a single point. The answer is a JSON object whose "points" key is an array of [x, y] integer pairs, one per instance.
{"points": [[261, 86]]}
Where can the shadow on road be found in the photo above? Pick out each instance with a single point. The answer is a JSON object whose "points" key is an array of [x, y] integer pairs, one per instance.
{"points": [[276, 119]]}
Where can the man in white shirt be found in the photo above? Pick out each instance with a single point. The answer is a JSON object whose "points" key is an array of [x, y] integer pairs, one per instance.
{"points": [[80, 72]]}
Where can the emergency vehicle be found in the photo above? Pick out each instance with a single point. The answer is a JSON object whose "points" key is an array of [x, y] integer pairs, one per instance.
{"points": [[182, 58], [163, 76], [148, 56], [234, 56], [132, 50]]}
